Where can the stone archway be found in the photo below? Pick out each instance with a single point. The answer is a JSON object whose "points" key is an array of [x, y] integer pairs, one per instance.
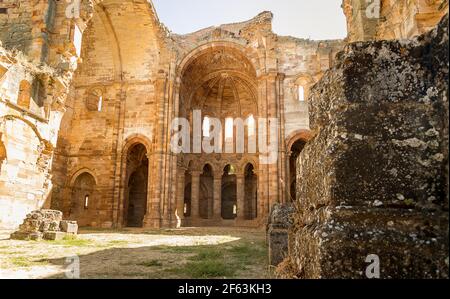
{"points": [[83, 199], [229, 193], [250, 193], [135, 207], [206, 192], [295, 151]]}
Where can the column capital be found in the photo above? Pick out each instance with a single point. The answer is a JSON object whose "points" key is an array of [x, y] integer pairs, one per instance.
{"points": [[196, 173], [240, 176]]}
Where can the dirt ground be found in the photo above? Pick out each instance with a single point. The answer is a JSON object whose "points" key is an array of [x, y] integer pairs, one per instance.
{"points": [[156, 254]]}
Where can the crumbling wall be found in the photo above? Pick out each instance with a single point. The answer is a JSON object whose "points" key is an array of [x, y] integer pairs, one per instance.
{"points": [[391, 19], [374, 179]]}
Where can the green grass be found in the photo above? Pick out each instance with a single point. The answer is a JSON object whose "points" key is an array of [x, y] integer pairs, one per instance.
{"points": [[208, 254], [24, 262], [116, 243], [218, 261], [152, 263], [73, 241], [209, 269]]}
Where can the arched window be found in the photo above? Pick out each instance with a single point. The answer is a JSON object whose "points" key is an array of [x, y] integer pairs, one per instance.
{"points": [[229, 126], [83, 192], [206, 192], [229, 188], [86, 202], [94, 101], [100, 103], [77, 39], [251, 126], [303, 86], [301, 93], [206, 127], [251, 193]]}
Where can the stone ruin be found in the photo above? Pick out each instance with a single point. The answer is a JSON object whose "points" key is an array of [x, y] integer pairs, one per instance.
{"points": [[47, 225], [373, 181], [280, 221]]}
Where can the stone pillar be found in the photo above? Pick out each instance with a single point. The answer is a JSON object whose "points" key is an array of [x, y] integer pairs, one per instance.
{"points": [[269, 180], [217, 197], [179, 213], [157, 185], [290, 196], [195, 196], [153, 217], [240, 196]]}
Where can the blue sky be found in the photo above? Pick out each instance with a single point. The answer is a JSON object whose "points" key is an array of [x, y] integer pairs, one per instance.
{"points": [[315, 19]]}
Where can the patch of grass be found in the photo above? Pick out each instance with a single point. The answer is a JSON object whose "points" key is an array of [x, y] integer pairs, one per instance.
{"points": [[24, 262], [205, 269], [208, 254], [217, 261], [246, 253], [152, 263], [72, 241], [176, 249], [116, 243]]}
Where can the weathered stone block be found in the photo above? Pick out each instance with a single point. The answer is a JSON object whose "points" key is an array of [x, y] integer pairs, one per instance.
{"points": [[27, 236], [374, 180], [277, 232], [70, 227], [54, 236]]}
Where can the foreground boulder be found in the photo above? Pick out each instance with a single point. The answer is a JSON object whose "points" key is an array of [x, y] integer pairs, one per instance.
{"points": [[45, 224], [373, 182]]}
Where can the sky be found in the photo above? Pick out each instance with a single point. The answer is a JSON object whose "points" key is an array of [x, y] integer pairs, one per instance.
{"points": [[314, 19]]}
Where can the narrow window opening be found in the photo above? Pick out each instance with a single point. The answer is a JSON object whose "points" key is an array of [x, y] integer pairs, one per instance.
{"points": [[86, 202], [301, 94], [206, 127], [251, 126], [229, 125], [100, 103]]}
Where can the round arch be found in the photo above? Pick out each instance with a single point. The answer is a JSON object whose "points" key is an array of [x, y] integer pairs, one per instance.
{"points": [[197, 52], [81, 171], [134, 139], [305, 135]]}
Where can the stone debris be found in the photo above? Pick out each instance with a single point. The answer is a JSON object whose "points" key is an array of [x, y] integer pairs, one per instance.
{"points": [[45, 224]]}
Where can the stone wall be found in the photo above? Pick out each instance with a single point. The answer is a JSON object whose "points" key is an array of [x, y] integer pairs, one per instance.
{"points": [[374, 179], [29, 122], [391, 19]]}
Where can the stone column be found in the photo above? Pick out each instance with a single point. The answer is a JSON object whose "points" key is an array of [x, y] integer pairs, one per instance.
{"points": [[217, 197], [179, 213], [240, 196], [153, 217], [289, 196], [157, 185], [195, 196]]}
